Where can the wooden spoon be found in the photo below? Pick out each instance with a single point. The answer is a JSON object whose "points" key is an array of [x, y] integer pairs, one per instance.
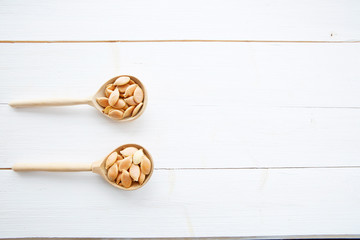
{"points": [[96, 167], [90, 101]]}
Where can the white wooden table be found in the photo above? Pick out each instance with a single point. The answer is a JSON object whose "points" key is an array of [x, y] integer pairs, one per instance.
{"points": [[253, 118]]}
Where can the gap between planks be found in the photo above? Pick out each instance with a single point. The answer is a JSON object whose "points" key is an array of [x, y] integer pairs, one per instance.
{"points": [[314, 107], [179, 40], [243, 168], [325, 236]]}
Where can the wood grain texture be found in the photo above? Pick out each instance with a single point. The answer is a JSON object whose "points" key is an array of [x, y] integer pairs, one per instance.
{"points": [[185, 203], [251, 138], [261, 104], [254, 137], [159, 19], [49, 102], [198, 74], [52, 167]]}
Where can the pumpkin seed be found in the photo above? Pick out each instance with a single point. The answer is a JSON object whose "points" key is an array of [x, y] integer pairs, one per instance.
{"points": [[128, 111], [113, 172], [110, 160], [141, 178], [137, 156], [109, 89], [130, 90], [134, 172], [136, 110], [123, 88], [118, 179], [114, 97], [116, 114], [102, 101], [138, 95], [121, 81], [126, 180], [145, 165], [130, 101], [126, 163], [120, 104], [129, 151]]}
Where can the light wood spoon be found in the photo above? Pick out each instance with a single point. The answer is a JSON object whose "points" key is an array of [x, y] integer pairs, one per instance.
{"points": [[96, 167], [90, 101]]}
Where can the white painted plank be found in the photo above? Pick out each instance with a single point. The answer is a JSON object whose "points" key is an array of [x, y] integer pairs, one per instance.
{"points": [[188, 109], [251, 137], [183, 203], [322, 20], [241, 74]]}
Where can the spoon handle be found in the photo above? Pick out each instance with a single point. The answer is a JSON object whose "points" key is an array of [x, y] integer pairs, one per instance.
{"points": [[49, 102], [53, 167]]}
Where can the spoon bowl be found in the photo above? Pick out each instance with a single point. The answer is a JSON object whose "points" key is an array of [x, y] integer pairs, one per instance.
{"points": [[97, 167], [90, 101], [100, 93]]}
